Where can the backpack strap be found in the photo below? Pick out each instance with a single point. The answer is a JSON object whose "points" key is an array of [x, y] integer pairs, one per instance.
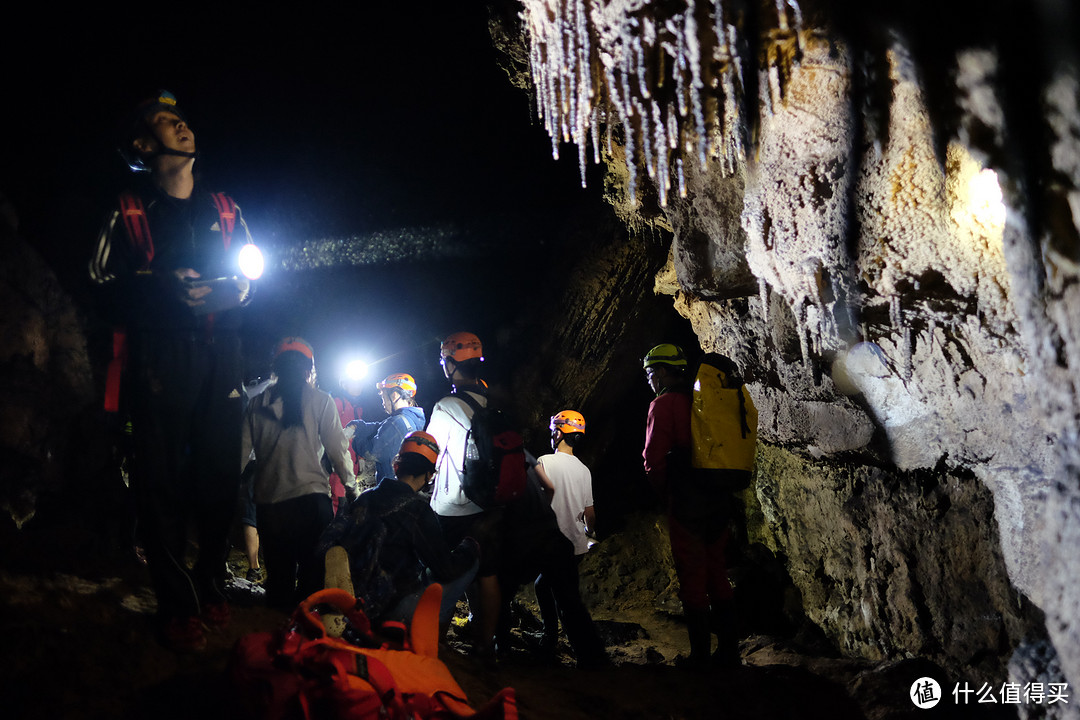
{"points": [[743, 427], [115, 373], [227, 213], [133, 214], [468, 399]]}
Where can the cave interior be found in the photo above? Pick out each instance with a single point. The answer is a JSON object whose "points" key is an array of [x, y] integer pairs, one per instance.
{"points": [[872, 208]]}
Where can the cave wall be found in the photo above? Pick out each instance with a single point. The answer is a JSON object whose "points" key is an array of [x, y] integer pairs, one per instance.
{"points": [[911, 344]]}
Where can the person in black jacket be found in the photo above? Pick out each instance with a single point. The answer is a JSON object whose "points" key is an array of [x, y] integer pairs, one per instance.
{"points": [[166, 266], [395, 544]]}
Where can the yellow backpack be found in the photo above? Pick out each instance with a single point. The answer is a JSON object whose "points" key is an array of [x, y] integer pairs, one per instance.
{"points": [[723, 419]]}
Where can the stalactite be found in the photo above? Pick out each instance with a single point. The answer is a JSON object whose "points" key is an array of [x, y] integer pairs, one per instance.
{"points": [[673, 83], [763, 292]]}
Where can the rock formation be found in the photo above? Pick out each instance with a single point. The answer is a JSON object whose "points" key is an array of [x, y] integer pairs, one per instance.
{"points": [[875, 212]]}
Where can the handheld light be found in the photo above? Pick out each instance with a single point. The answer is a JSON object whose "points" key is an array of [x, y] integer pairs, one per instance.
{"points": [[251, 261]]}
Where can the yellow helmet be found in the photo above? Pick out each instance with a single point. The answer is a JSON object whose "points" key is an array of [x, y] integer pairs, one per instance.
{"points": [[568, 421], [402, 381], [665, 354]]}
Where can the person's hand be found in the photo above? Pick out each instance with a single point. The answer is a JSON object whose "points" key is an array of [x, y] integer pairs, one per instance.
{"points": [[191, 295], [351, 492], [243, 287]]}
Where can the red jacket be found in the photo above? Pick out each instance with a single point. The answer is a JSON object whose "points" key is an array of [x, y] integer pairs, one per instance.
{"points": [[667, 428], [347, 413]]}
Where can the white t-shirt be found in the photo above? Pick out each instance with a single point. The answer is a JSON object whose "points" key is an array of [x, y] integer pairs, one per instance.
{"points": [[450, 421], [573, 493]]}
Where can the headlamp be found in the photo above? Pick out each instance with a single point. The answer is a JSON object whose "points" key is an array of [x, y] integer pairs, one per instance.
{"points": [[356, 370]]}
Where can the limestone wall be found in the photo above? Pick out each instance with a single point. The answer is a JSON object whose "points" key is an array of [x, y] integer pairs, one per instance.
{"points": [[899, 288]]}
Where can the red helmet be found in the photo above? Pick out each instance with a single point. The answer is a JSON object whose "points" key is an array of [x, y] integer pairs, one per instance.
{"points": [[422, 444], [402, 381], [462, 346], [568, 421], [296, 344]]}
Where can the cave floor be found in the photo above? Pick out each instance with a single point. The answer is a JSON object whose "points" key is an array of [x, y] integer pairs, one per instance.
{"points": [[78, 643]]}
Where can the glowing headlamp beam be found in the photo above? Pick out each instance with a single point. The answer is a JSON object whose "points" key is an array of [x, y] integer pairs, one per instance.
{"points": [[356, 370]]}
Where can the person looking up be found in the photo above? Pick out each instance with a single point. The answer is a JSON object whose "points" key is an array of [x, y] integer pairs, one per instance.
{"points": [[286, 430], [178, 363]]}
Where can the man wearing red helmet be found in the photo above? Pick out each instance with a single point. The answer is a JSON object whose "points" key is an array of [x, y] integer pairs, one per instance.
{"points": [[413, 553], [382, 439], [461, 355]]}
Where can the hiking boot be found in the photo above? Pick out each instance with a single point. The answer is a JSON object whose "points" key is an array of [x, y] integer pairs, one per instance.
{"points": [[254, 575], [183, 635], [216, 616]]}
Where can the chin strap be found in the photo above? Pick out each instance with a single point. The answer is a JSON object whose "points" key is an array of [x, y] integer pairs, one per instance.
{"points": [[177, 153]]}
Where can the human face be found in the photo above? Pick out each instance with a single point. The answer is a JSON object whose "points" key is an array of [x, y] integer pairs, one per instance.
{"points": [[655, 377], [352, 387], [171, 131], [387, 401]]}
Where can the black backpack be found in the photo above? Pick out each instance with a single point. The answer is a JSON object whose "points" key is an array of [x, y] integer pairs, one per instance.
{"points": [[494, 472]]}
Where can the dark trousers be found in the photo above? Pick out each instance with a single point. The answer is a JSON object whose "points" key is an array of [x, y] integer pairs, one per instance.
{"points": [[289, 532], [549, 608], [185, 395], [560, 573]]}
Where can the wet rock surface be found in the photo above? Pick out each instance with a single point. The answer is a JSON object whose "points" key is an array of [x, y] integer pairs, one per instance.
{"points": [[896, 188]]}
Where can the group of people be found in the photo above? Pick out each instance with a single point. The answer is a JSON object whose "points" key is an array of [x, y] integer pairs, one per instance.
{"points": [[418, 525], [164, 262]]}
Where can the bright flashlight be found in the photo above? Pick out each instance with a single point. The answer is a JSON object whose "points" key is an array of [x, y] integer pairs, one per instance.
{"points": [[251, 261], [356, 370]]}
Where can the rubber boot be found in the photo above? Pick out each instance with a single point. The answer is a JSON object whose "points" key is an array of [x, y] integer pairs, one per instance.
{"points": [[725, 625], [697, 625]]}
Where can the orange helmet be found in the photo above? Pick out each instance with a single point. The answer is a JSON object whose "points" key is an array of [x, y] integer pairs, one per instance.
{"points": [[422, 444], [462, 346], [402, 381], [568, 421], [296, 344]]}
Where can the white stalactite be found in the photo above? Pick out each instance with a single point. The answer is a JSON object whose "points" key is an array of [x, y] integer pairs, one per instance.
{"points": [[661, 87]]}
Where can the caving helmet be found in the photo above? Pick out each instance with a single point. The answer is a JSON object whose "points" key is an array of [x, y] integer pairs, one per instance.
{"points": [[461, 346], [665, 354], [296, 344], [421, 443], [138, 126], [567, 422], [402, 382]]}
